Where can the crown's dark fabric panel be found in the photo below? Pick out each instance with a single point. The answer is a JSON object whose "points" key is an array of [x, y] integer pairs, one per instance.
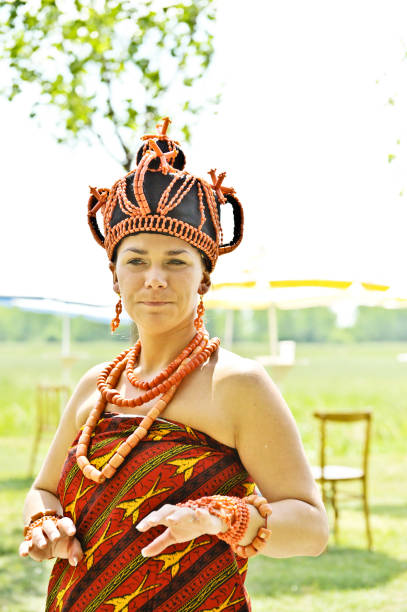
{"points": [[208, 227], [117, 216], [154, 185], [129, 188]]}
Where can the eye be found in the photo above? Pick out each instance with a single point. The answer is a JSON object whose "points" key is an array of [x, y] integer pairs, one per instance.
{"points": [[177, 261], [135, 259]]}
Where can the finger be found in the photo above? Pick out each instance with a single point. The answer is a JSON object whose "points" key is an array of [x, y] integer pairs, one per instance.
{"points": [[147, 522], [50, 529], [37, 554], [38, 538], [66, 526], [159, 544], [24, 548], [155, 517], [75, 552]]}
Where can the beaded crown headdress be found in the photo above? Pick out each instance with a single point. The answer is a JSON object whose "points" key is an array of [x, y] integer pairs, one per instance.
{"points": [[160, 196]]}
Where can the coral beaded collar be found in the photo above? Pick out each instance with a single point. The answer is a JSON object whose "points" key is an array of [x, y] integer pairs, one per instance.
{"points": [[192, 356]]}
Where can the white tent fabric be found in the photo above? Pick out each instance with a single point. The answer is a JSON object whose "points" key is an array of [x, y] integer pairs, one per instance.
{"points": [[61, 307], [66, 310]]}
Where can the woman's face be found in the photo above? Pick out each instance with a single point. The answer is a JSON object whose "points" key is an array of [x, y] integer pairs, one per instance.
{"points": [[159, 268]]}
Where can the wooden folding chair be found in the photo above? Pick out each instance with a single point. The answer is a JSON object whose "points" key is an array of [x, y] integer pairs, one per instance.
{"points": [[49, 402], [333, 474]]}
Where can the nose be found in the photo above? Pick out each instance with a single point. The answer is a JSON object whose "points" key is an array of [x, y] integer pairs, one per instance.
{"points": [[155, 278]]}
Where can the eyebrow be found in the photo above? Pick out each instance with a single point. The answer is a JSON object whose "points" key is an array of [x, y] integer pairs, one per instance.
{"points": [[144, 252]]}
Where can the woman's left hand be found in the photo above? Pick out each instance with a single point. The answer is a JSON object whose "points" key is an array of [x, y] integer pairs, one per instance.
{"points": [[183, 524]]}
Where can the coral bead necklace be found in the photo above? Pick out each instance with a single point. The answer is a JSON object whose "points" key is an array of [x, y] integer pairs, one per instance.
{"points": [[193, 355]]}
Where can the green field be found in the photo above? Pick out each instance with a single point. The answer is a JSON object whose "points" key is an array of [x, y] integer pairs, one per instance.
{"points": [[337, 377]]}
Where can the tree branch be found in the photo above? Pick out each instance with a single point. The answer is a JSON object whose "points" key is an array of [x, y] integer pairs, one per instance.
{"points": [[99, 137], [126, 149]]}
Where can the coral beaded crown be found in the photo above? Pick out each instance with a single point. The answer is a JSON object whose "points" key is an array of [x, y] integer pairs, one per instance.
{"points": [[160, 196]]}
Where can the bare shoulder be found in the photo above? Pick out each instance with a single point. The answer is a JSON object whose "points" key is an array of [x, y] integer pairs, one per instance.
{"points": [[50, 471], [85, 388], [232, 369], [91, 375], [245, 387], [86, 384]]}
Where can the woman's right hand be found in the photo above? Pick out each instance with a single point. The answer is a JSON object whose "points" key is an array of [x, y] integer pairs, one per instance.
{"points": [[53, 540]]}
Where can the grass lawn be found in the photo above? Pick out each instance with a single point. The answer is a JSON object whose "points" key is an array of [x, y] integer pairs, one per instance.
{"points": [[337, 377]]}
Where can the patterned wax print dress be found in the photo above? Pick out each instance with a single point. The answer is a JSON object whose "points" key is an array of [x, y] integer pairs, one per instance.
{"points": [[171, 464]]}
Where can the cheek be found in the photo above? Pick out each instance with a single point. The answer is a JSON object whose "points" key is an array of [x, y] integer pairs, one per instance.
{"points": [[186, 283], [128, 276]]}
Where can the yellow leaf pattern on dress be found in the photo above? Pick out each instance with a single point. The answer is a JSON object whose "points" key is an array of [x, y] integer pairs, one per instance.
{"points": [[172, 560], [72, 506], [186, 466], [121, 604], [101, 461], [226, 604], [159, 435], [89, 553], [61, 594], [133, 506], [191, 432], [250, 487]]}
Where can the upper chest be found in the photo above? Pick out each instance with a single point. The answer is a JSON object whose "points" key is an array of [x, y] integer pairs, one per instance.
{"points": [[200, 401]]}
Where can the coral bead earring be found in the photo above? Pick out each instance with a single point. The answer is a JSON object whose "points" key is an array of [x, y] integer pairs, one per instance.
{"points": [[198, 322], [116, 321]]}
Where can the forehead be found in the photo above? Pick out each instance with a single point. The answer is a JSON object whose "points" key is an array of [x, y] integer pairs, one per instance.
{"points": [[157, 243]]}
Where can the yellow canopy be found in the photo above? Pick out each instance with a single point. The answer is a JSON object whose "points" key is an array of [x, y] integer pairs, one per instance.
{"points": [[291, 294]]}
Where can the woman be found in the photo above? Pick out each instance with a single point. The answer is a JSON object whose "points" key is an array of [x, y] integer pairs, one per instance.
{"points": [[149, 501]]}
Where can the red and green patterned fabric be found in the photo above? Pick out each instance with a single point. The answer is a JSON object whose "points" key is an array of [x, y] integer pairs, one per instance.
{"points": [[171, 464]]}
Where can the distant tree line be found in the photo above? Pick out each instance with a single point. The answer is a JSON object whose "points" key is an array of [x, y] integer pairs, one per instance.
{"points": [[304, 325]]}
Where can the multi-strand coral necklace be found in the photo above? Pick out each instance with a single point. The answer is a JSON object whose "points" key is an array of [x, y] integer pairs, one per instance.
{"points": [[193, 355]]}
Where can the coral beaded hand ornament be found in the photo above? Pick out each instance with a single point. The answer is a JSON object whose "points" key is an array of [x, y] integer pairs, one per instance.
{"points": [[160, 196]]}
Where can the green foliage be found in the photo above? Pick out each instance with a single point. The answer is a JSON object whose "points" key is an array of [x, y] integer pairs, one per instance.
{"points": [[18, 325], [307, 324], [303, 325], [109, 63], [380, 323], [21, 325], [215, 321], [84, 330]]}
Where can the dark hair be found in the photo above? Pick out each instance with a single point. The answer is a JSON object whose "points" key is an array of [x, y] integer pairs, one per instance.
{"points": [[206, 261]]}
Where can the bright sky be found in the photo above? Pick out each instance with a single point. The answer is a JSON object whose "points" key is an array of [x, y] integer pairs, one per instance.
{"points": [[304, 131]]}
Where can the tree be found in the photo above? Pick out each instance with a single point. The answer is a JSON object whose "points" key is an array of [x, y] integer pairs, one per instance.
{"points": [[109, 68]]}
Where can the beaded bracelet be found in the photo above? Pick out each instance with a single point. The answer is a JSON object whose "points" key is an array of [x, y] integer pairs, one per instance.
{"points": [[232, 510], [235, 512], [37, 520], [263, 533]]}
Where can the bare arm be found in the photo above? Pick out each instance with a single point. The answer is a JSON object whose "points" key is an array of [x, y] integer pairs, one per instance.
{"points": [[270, 448], [50, 539]]}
